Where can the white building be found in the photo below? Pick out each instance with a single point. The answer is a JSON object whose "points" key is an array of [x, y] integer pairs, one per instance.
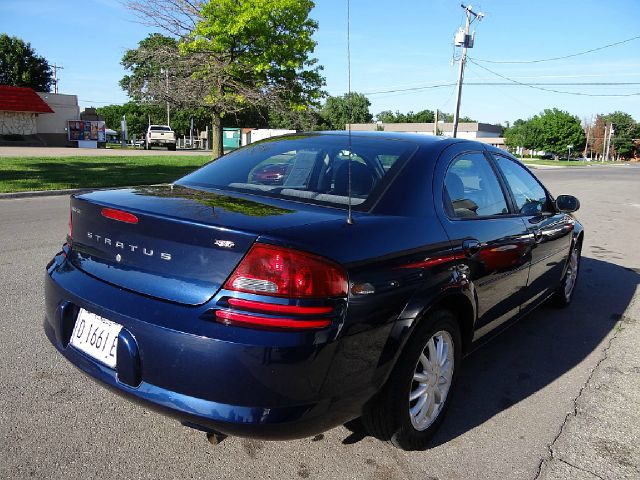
{"points": [[483, 132]]}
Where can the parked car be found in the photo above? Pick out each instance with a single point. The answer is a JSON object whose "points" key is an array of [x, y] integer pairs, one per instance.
{"points": [[270, 174], [160, 135], [348, 290]]}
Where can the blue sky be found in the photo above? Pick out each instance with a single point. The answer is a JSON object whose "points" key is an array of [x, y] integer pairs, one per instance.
{"points": [[394, 45]]}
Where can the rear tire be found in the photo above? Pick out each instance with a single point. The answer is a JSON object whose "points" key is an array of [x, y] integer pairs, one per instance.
{"points": [[171, 147], [412, 404], [564, 294]]}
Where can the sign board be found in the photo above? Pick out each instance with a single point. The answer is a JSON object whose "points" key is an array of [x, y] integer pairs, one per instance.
{"points": [[82, 130]]}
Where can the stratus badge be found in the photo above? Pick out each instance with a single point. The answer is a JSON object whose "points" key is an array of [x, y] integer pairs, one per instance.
{"points": [[224, 243]]}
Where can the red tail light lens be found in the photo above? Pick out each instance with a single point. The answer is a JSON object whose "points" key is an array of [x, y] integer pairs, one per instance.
{"points": [[119, 215], [283, 272], [246, 320]]}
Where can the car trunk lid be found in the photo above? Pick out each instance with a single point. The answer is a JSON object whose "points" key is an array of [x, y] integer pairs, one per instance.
{"points": [[183, 243]]}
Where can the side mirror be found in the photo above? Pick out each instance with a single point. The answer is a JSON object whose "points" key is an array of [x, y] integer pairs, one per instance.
{"points": [[567, 203]]}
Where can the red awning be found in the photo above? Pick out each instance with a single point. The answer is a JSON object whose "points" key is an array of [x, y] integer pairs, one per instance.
{"points": [[21, 99]]}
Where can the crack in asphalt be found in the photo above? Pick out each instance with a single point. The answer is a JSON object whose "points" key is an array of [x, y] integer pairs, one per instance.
{"points": [[550, 455], [580, 468]]}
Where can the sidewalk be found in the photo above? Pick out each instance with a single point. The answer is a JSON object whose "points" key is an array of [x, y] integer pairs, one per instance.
{"points": [[600, 438]]}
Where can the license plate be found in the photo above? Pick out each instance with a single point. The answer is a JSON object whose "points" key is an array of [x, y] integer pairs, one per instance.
{"points": [[96, 336]]}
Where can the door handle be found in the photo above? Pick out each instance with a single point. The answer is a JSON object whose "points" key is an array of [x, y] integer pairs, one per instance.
{"points": [[537, 234], [471, 247]]}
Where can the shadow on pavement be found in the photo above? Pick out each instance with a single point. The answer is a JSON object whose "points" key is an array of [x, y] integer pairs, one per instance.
{"points": [[535, 351]]}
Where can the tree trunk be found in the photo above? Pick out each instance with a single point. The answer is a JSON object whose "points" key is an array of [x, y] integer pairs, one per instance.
{"points": [[217, 149]]}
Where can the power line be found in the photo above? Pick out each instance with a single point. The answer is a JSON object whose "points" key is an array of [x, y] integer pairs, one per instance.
{"points": [[562, 57], [508, 84], [537, 87], [412, 89]]}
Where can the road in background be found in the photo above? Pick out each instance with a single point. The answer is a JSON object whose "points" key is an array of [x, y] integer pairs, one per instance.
{"points": [[530, 403], [92, 152]]}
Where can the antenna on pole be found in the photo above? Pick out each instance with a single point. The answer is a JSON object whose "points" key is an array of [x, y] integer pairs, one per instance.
{"points": [[465, 40], [349, 106]]}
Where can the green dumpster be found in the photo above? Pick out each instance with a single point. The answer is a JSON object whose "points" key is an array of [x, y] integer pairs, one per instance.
{"points": [[230, 138]]}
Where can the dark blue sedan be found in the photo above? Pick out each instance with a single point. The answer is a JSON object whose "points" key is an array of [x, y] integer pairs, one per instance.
{"points": [[352, 287]]}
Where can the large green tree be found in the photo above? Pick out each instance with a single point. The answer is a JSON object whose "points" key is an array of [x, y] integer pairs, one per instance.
{"points": [[352, 107], [21, 67], [625, 131], [560, 129], [230, 56], [553, 131]]}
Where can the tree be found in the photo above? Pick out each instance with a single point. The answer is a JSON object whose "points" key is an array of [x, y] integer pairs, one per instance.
{"points": [[232, 56], [352, 107], [560, 129], [137, 115], [21, 67], [423, 116], [525, 133], [307, 120], [552, 131], [625, 130], [598, 134]]}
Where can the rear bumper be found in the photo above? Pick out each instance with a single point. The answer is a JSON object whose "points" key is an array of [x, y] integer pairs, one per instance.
{"points": [[206, 375]]}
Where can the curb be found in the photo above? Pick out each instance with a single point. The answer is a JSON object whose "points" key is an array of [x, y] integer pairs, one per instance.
{"points": [[44, 193]]}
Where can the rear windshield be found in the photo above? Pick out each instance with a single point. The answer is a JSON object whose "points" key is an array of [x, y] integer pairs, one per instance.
{"points": [[161, 128], [309, 168]]}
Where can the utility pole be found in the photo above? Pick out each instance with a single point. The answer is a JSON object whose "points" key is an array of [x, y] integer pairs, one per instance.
{"points": [[166, 78], [611, 131], [435, 123], [55, 76], [465, 40]]}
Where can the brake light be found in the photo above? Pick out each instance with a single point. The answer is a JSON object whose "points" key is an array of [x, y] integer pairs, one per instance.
{"points": [[119, 215], [284, 272]]}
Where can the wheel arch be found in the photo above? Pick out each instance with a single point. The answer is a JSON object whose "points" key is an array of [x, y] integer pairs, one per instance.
{"points": [[459, 301]]}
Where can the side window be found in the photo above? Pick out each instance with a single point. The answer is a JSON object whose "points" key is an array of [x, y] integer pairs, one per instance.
{"points": [[530, 197], [472, 188]]}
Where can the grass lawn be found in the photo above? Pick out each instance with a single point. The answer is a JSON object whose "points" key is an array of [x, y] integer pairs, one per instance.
{"points": [[555, 163], [19, 174]]}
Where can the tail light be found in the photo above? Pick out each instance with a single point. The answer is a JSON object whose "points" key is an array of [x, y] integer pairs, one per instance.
{"points": [[282, 272], [119, 215]]}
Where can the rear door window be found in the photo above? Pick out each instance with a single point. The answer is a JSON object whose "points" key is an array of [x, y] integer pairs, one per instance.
{"points": [[472, 188]]}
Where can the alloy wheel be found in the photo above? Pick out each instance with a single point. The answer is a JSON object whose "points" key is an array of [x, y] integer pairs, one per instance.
{"points": [[432, 379]]}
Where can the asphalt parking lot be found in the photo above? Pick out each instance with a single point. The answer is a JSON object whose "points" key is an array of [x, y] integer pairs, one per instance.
{"points": [[555, 396]]}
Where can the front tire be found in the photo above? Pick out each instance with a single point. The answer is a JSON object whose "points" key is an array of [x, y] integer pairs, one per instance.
{"points": [[564, 294], [413, 402]]}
